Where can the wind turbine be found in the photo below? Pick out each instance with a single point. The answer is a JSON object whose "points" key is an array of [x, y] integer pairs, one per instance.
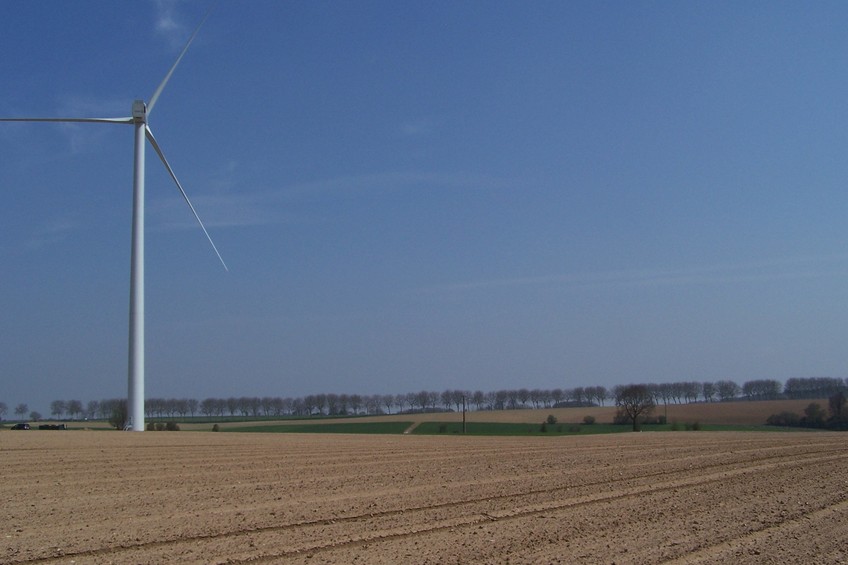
{"points": [[140, 114]]}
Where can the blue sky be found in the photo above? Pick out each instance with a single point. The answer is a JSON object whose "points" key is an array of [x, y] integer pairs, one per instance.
{"points": [[426, 195]]}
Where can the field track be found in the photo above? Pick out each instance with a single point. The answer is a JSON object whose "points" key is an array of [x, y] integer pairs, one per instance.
{"points": [[182, 497]]}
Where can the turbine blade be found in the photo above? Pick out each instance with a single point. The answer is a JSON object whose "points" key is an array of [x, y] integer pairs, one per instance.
{"points": [[183, 192], [98, 120], [161, 87]]}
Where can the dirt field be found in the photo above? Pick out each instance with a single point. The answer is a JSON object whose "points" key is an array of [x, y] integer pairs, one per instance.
{"points": [[183, 497]]}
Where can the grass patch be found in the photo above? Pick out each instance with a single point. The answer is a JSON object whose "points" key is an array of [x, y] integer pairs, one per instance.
{"points": [[565, 429], [341, 428], [513, 429]]}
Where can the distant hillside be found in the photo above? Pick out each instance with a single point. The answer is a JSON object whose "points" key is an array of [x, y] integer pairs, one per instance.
{"points": [[733, 413]]}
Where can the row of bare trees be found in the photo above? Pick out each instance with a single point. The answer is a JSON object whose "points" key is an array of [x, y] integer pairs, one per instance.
{"points": [[427, 401], [73, 409], [21, 411]]}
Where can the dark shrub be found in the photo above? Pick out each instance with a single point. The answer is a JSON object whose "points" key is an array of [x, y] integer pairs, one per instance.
{"points": [[814, 416], [119, 416], [837, 406], [588, 420], [551, 419], [783, 419]]}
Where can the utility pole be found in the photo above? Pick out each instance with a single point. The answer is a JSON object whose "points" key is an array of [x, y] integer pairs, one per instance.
{"points": [[463, 414]]}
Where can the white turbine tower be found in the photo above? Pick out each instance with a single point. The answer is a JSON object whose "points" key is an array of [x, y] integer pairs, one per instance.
{"points": [[139, 117]]}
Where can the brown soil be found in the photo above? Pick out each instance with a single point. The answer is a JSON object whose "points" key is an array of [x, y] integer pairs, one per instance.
{"points": [[183, 497]]}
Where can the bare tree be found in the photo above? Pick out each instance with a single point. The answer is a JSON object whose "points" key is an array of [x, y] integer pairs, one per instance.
{"points": [[74, 408], [727, 390], [422, 399], [387, 400], [372, 403], [179, 405], [207, 407], [344, 403], [332, 404], [813, 387], [355, 402], [57, 408], [578, 395], [677, 389], [478, 398], [635, 403], [446, 398], [104, 409], [708, 391], [535, 397], [411, 399], [761, 389], [400, 402], [255, 405], [512, 396], [557, 395], [460, 397], [91, 409], [596, 394], [267, 405], [153, 406], [322, 402], [298, 407]]}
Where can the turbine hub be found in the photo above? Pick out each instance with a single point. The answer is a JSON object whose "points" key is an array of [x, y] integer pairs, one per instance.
{"points": [[139, 111]]}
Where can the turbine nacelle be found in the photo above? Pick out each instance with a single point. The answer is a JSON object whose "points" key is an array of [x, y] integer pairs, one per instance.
{"points": [[139, 111]]}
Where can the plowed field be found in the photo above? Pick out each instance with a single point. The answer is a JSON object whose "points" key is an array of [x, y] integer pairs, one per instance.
{"points": [[183, 497]]}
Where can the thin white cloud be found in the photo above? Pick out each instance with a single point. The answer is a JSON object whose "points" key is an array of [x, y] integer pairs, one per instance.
{"points": [[392, 182], [82, 137], [761, 271], [79, 137], [50, 233], [216, 211], [221, 205], [168, 25], [417, 128], [227, 206], [95, 107]]}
